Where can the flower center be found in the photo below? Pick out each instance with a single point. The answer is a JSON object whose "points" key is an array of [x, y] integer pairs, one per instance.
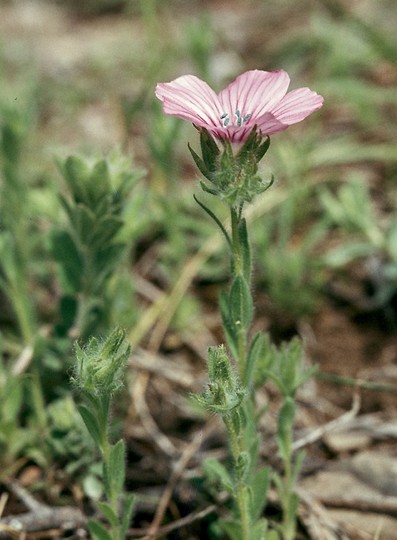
{"points": [[239, 120]]}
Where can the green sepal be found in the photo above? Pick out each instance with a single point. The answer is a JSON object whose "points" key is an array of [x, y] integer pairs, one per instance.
{"points": [[205, 188], [241, 306], [91, 424], [209, 150], [262, 149], [98, 531], [200, 163]]}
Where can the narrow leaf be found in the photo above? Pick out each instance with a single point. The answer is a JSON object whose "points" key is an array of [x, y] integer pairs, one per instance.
{"points": [[109, 513], [216, 219], [259, 530], [285, 423], [217, 473], [252, 358], [128, 511], [259, 487], [117, 466], [91, 424], [241, 307], [232, 528], [228, 326], [98, 531]]}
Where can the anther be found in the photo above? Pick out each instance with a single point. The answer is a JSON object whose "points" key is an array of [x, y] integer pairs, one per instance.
{"points": [[226, 119]]}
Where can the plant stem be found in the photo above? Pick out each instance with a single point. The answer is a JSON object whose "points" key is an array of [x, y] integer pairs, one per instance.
{"points": [[237, 268], [237, 262], [242, 500]]}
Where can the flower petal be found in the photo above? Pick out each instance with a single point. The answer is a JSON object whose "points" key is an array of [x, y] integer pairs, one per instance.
{"points": [[255, 92], [297, 105], [190, 98], [268, 124]]}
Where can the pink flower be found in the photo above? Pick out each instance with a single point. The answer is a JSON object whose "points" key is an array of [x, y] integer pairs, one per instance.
{"points": [[255, 98]]}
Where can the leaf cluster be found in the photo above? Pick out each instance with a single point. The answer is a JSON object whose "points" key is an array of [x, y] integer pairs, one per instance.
{"points": [[89, 246]]}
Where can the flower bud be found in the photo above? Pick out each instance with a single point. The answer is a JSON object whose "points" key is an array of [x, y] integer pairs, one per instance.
{"points": [[100, 366]]}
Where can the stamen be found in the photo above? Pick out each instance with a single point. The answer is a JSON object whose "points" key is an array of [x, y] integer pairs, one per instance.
{"points": [[226, 119], [240, 120]]}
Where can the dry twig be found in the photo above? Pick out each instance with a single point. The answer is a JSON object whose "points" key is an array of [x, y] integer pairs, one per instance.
{"points": [[40, 517]]}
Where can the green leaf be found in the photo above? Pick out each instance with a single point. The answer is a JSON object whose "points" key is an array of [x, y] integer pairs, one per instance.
{"points": [[273, 535], [348, 252], [258, 531], [241, 307], [105, 230], [75, 172], [216, 220], [232, 528], [285, 423], [67, 255], [84, 222], [216, 472], [252, 357], [259, 488], [109, 513], [297, 466], [116, 466], [128, 510], [98, 531], [91, 424], [98, 184], [11, 399], [228, 326]]}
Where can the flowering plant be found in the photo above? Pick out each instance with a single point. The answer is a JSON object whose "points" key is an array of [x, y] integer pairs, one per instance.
{"points": [[234, 128]]}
